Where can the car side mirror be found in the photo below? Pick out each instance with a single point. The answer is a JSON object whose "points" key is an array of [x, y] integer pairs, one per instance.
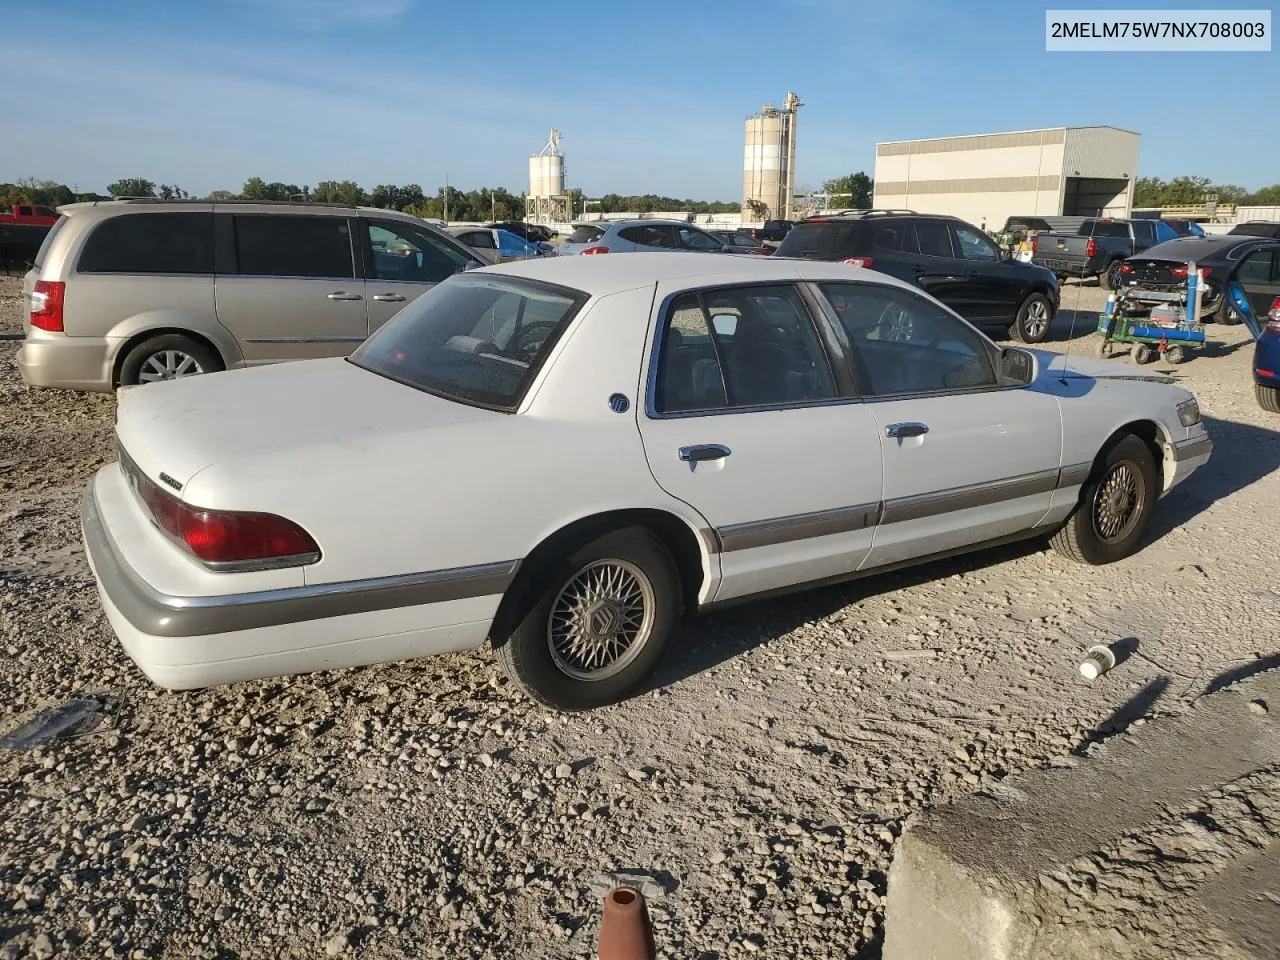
{"points": [[1017, 367]]}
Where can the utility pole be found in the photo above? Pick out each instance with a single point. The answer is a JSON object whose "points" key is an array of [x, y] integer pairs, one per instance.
{"points": [[446, 199]]}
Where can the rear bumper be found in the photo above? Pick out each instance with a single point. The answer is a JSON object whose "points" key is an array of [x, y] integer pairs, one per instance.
{"points": [[187, 642], [1072, 268], [72, 363]]}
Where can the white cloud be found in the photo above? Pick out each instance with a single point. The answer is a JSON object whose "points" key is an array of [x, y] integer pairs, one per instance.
{"points": [[326, 14]]}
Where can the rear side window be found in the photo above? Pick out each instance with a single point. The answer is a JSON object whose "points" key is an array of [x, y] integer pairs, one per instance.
{"points": [[1145, 232], [149, 243], [585, 234], [933, 238], [48, 243], [889, 238], [1096, 228], [271, 245]]}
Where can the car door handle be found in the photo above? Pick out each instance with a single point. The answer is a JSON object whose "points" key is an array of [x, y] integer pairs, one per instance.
{"points": [[343, 295], [900, 431], [704, 451], [388, 298]]}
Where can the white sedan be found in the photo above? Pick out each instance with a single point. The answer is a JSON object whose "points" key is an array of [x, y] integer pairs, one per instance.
{"points": [[562, 457]]}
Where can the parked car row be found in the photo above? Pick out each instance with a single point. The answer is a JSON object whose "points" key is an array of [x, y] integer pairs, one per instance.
{"points": [[1098, 247]]}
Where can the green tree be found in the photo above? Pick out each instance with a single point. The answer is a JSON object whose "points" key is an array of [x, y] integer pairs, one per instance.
{"points": [[338, 191], [132, 187], [853, 190], [174, 192], [217, 195], [1265, 197]]}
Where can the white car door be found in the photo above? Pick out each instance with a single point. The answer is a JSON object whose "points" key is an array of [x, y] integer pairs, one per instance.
{"points": [[966, 459], [747, 421]]}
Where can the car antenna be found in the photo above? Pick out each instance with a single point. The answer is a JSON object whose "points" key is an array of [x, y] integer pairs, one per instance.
{"points": [[1075, 314]]}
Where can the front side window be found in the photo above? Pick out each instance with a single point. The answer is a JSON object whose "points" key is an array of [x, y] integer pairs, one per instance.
{"points": [[1258, 267], [402, 251], [692, 239], [933, 238], [475, 339], [975, 245], [180, 243], [740, 347], [279, 245], [905, 344]]}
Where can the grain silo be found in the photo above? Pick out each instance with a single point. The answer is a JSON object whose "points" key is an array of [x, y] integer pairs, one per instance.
{"points": [[548, 200], [768, 163]]}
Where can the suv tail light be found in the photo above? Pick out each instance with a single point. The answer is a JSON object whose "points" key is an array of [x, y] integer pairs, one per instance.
{"points": [[595, 250], [223, 540], [1273, 316], [1091, 248], [1035, 244], [859, 261], [46, 305]]}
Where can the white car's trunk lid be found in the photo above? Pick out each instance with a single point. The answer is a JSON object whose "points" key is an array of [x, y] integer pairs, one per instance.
{"points": [[180, 427]]}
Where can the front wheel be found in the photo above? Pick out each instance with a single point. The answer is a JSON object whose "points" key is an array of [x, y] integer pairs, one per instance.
{"points": [[595, 623], [1114, 507], [1142, 353], [1268, 397], [1033, 320]]}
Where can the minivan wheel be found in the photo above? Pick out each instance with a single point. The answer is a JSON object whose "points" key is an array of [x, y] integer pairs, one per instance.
{"points": [[594, 624], [170, 356], [1034, 317]]}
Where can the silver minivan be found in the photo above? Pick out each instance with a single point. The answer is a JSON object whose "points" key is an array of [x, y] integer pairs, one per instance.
{"points": [[127, 292]]}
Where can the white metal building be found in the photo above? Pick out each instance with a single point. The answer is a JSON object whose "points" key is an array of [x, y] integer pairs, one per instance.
{"points": [[1071, 171]]}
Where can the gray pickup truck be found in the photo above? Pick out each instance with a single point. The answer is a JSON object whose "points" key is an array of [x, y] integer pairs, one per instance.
{"points": [[1098, 247]]}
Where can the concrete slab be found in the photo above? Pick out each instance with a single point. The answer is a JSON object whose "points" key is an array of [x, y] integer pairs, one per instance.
{"points": [[1164, 842]]}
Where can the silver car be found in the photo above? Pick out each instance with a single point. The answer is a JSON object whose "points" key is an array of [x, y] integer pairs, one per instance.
{"points": [[127, 292], [500, 246], [639, 236]]}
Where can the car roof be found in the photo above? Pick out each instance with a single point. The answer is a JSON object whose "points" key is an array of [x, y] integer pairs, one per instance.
{"points": [[613, 273], [1190, 248]]}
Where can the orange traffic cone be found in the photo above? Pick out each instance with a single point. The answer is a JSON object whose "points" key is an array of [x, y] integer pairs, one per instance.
{"points": [[625, 931]]}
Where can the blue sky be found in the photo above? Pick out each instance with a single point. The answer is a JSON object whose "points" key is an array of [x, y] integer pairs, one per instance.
{"points": [[649, 97]]}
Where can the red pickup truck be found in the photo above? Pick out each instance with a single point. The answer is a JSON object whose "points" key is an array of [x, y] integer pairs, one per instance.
{"points": [[22, 229]]}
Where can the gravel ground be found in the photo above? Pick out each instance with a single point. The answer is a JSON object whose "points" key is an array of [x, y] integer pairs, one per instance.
{"points": [[426, 810]]}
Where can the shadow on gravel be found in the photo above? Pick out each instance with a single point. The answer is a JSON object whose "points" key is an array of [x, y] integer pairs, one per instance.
{"points": [[1243, 454], [1122, 717], [1236, 674], [719, 637]]}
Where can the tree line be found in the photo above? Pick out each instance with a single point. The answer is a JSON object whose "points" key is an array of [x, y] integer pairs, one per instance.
{"points": [[1183, 191]]}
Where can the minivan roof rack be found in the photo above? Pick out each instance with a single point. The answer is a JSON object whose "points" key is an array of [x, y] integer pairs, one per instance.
{"points": [[885, 212], [279, 203]]}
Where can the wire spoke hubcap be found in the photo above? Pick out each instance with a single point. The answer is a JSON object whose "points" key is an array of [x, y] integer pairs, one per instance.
{"points": [[1118, 502], [168, 365], [600, 620]]}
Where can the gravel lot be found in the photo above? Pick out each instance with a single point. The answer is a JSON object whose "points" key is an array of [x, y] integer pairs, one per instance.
{"points": [[426, 810]]}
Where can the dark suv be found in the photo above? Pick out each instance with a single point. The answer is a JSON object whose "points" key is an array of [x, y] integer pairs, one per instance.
{"points": [[952, 260]]}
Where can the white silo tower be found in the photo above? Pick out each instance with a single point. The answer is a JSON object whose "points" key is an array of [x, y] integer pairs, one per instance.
{"points": [[548, 200], [769, 159]]}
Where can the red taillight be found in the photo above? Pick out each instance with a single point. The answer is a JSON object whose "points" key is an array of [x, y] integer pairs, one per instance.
{"points": [[1035, 244], [1091, 248], [595, 250], [1125, 268], [46, 304], [225, 538], [1179, 272], [1273, 316], [859, 261]]}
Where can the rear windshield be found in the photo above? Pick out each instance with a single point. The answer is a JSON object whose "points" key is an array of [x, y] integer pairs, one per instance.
{"points": [[1257, 230], [822, 241], [1095, 228], [475, 338], [585, 235], [1195, 248], [48, 242]]}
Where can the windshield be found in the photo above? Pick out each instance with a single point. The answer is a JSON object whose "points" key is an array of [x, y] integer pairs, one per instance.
{"points": [[476, 338]]}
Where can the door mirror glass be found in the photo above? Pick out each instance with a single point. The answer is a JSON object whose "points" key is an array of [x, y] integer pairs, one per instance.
{"points": [[1017, 367]]}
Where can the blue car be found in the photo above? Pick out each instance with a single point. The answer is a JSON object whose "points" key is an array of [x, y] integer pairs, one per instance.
{"points": [[1256, 293]]}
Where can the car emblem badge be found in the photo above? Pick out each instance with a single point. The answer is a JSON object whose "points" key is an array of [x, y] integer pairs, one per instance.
{"points": [[168, 480], [618, 403]]}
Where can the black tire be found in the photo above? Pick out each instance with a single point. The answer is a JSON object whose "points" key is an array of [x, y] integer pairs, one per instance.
{"points": [[1268, 397], [1102, 349], [135, 368], [1035, 318], [525, 653], [1083, 537], [1225, 315], [1175, 354], [1109, 278], [1142, 353]]}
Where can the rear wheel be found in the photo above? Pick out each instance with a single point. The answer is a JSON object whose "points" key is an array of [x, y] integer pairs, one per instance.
{"points": [[594, 624], [1225, 314], [1033, 320], [1175, 354], [1109, 279], [170, 356], [1142, 353], [1114, 507], [1268, 397]]}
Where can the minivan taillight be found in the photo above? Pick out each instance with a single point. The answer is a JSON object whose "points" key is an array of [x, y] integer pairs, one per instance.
{"points": [[1091, 248], [596, 250], [46, 305], [224, 540]]}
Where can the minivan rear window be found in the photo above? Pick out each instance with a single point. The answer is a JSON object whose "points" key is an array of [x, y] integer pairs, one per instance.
{"points": [[150, 243], [477, 338]]}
